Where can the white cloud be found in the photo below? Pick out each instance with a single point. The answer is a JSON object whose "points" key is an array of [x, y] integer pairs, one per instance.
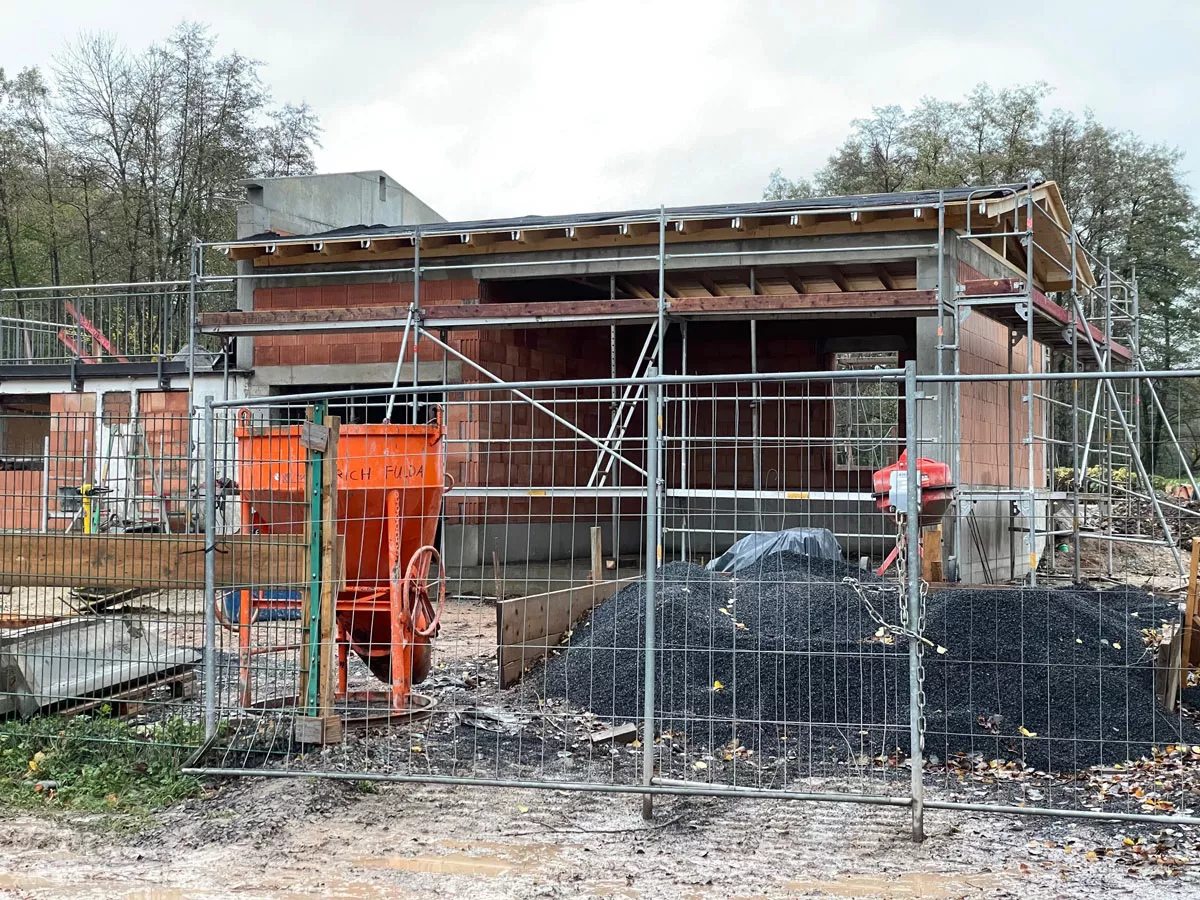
{"points": [[486, 108]]}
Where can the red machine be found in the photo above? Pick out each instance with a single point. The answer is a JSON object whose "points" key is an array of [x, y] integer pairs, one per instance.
{"points": [[936, 492], [390, 482]]}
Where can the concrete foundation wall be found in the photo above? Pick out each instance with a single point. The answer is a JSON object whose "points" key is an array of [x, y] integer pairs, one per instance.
{"points": [[516, 542]]}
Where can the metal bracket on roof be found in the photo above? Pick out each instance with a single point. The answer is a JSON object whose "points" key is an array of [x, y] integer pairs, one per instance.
{"points": [[1069, 335], [1022, 310]]}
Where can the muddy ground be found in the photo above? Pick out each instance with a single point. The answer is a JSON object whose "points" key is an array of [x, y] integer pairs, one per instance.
{"points": [[292, 838], [300, 837]]}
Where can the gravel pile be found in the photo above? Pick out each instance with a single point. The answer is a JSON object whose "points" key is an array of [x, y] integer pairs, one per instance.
{"points": [[1070, 666], [786, 659], [781, 654]]}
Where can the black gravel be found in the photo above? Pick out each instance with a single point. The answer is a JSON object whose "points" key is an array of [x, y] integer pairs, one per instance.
{"points": [[1068, 665], [808, 674]]}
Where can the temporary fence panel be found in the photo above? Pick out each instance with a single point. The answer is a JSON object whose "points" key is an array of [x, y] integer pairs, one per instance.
{"points": [[471, 593]]}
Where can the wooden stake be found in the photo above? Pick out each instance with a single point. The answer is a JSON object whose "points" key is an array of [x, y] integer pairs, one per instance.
{"points": [[931, 554], [1190, 652], [330, 585], [597, 556], [496, 576]]}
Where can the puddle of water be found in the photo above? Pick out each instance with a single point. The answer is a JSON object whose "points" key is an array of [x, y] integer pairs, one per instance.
{"points": [[468, 858], [116, 890], [47, 887], [914, 884], [608, 889]]}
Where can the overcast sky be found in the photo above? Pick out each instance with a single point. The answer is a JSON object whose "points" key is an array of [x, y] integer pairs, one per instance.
{"points": [[509, 107]]}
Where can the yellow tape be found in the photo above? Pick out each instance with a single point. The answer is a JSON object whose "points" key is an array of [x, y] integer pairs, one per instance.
{"points": [[797, 495]]}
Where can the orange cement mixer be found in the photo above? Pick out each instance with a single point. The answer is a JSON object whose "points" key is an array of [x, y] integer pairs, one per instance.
{"points": [[390, 482]]}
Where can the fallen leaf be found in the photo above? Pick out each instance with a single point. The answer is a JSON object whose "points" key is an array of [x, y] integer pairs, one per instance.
{"points": [[717, 686], [699, 765], [522, 809], [1026, 732], [1116, 646]]}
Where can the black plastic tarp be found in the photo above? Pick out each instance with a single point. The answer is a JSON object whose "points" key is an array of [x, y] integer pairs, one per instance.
{"points": [[818, 542]]}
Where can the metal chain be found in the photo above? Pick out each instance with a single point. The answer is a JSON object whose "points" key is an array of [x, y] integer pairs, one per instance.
{"points": [[919, 633], [905, 629]]}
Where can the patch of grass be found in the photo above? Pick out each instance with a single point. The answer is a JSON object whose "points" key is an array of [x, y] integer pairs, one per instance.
{"points": [[96, 764]]}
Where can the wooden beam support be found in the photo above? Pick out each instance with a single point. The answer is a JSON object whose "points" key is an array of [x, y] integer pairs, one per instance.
{"points": [[638, 229], [333, 319], [286, 250], [885, 278], [331, 549], [796, 282], [634, 289], [711, 286], [836, 276], [766, 304], [162, 561]]}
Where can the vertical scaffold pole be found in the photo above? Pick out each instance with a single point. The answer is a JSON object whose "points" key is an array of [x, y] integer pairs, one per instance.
{"points": [[653, 554], [210, 571], [913, 591]]}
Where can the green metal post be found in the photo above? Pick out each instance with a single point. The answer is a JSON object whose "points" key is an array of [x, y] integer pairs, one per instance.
{"points": [[316, 461]]}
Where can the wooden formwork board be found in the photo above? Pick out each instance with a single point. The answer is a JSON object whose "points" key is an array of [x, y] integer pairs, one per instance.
{"points": [[528, 628]]}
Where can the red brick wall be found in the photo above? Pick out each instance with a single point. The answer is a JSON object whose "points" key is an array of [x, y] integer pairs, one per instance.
{"points": [[509, 442], [348, 348]]}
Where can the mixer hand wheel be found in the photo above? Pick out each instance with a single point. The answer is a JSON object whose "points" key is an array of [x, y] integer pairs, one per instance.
{"points": [[416, 591]]}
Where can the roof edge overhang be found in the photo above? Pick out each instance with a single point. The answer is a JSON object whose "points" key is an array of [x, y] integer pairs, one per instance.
{"points": [[986, 214]]}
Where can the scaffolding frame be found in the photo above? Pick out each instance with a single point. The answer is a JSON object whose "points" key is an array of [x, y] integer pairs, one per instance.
{"points": [[1103, 304]]}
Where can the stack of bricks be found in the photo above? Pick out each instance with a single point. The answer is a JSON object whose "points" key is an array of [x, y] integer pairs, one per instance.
{"points": [[163, 465], [72, 446]]}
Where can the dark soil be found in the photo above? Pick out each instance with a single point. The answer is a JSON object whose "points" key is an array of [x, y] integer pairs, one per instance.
{"points": [[785, 658]]}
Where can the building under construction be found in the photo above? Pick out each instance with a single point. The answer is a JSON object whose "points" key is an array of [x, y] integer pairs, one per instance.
{"points": [[964, 281], [358, 437]]}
